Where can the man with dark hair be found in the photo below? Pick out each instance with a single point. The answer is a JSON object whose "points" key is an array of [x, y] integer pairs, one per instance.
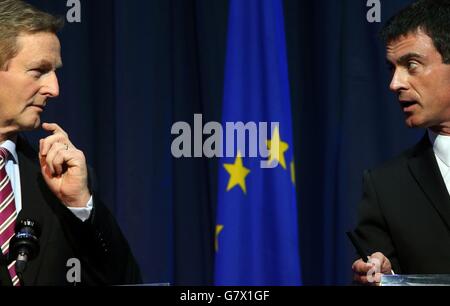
{"points": [[404, 215], [51, 186]]}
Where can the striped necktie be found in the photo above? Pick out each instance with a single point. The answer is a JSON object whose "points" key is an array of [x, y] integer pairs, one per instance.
{"points": [[8, 214]]}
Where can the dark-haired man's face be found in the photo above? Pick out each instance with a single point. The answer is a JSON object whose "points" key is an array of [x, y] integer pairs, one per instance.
{"points": [[421, 81]]}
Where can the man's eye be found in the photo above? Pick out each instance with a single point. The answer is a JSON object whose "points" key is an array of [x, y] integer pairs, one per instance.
{"points": [[36, 73], [412, 65]]}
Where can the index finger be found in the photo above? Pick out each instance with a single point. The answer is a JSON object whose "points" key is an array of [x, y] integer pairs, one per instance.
{"points": [[53, 127], [360, 266]]}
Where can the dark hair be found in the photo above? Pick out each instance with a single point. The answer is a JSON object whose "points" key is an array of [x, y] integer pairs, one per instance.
{"points": [[430, 16], [17, 17]]}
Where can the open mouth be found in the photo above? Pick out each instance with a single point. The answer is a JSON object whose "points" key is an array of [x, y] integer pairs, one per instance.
{"points": [[407, 104]]}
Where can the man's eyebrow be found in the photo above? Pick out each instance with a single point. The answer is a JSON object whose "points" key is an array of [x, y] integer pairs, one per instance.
{"points": [[405, 58], [45, 64]]}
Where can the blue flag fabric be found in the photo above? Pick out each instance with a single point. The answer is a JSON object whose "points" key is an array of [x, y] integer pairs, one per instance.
{"points": [[256, 228]]}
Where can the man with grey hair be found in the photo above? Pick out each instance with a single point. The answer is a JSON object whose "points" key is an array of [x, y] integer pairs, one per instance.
{"points": [[50, 186]]}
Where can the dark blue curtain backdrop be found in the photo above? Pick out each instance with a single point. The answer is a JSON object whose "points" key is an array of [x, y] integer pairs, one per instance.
{"points": [[133, 68]]}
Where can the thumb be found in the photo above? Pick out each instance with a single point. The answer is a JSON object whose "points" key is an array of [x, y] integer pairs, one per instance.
{"points": [[386, 267], [382, 262]]}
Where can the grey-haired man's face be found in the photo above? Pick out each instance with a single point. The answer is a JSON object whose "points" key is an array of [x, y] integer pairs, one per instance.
{"points": [[28, 81]]}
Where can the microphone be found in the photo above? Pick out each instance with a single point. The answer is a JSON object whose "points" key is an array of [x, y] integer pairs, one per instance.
{"points": [[24, 246]]}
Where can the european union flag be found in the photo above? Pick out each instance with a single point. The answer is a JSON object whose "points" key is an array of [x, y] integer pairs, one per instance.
{"points": [[256, 229]]}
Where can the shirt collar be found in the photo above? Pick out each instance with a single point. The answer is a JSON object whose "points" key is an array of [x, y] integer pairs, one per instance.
{"points": [[11, 147], [441, 146]]}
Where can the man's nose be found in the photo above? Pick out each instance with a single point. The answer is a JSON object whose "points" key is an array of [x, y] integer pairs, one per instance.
{"points": [[398, 81], [50, 87]]}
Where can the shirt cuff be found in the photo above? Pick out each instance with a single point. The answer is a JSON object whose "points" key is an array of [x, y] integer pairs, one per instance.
{"points": [[83, 213]]}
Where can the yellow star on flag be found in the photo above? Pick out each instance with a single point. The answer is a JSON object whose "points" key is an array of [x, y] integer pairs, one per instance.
{"points": [[277, 148], [219, 228], [237, 173]]}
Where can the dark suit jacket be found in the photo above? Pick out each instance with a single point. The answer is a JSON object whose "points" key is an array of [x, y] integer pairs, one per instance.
{"points": [[98, 243], [405, 212]]}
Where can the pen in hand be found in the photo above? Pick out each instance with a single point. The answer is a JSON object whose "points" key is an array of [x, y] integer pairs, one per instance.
{"points": [[361, 252], [358, 247]]}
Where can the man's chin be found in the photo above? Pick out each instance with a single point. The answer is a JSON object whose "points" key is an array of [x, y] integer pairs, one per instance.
{"points": [[414, 122], [31, 125], [412, 125]]}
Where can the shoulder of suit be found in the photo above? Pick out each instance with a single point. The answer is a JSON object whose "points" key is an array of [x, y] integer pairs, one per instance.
{"points": [[400, 162]]}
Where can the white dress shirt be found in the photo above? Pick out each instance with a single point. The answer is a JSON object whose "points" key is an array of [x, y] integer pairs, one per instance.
{"points": [[441, 148], [12, 169]]}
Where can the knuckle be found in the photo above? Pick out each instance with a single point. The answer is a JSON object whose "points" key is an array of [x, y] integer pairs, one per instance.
{"points": [[378, 254], [79, 153], [61, 137], [59, 154]]}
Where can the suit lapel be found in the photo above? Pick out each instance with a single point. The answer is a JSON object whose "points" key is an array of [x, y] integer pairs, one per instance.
{"points": [[423, 166], [33, 204]]}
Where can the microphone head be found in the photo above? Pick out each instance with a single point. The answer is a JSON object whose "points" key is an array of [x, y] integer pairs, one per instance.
{"points": [[24, 246], [28, 226]]}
